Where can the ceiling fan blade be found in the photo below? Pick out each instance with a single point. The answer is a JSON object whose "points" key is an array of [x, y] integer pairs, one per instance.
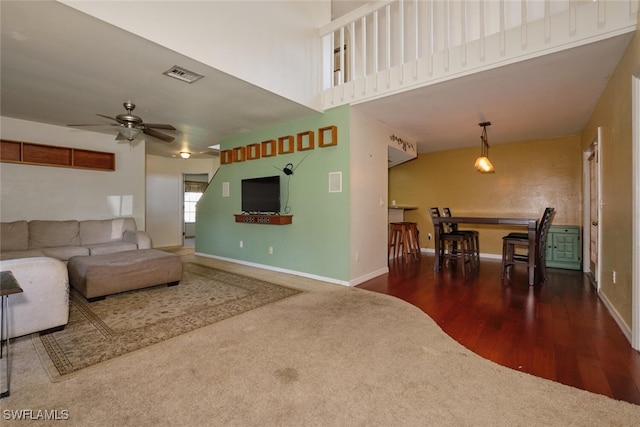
{"points": [[107, 117], [158, 126], [158, 135], [91, 124]]}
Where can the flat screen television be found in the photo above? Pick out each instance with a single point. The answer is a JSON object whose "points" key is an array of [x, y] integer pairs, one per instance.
{"points": [[261, 195]]}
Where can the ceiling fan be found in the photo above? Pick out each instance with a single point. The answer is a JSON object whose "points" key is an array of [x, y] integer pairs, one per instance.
{"points": [[130, 125]]}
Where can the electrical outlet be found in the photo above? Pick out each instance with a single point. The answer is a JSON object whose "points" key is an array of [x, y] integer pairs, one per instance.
{"points": [[613, 277], [241, 244], [357, 256], [270, 250]]}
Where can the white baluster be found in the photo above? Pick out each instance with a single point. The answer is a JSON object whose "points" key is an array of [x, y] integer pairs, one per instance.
{"points": [[523, 24], [547, 21]]}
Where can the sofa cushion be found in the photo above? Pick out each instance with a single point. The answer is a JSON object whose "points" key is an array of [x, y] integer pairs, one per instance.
{"points": [[45, 234], [4, 255], [63, 253], [14, 236], [105, 230], [111, 247]]}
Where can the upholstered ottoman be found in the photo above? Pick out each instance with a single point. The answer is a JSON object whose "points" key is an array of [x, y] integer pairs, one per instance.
{"points": [[100, 275]]}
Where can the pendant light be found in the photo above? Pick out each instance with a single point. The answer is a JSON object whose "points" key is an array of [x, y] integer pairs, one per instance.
{"points": [[483, 164]]}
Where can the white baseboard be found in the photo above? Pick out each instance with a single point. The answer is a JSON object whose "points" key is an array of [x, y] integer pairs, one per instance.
{"points": [[369, 276], [279, 270], [626, 330]]}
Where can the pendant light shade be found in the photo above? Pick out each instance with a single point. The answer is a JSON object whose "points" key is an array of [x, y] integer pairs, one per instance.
{"points": [[483, 164]]}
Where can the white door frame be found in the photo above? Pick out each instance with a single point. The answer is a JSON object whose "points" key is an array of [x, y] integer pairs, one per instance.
{"points": [[586, 211], [635, 215]]}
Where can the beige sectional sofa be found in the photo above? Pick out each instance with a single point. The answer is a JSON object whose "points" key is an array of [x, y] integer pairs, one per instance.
{"points": [[64, 239], [36, 252], [43, 303]]}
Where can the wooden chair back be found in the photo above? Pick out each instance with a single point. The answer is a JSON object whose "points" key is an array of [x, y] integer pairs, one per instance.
{"points": [[541, 234], [449, 228]]}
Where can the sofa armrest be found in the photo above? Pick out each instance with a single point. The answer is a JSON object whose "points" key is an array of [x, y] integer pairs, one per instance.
{"points": [[140, 238], [44, 302]]}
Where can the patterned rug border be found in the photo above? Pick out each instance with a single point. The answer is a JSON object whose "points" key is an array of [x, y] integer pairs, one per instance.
{"points": [[60, 368]]}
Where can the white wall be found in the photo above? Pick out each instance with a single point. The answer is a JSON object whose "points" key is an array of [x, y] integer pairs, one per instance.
{"points": [[43, 192], [214, 32], [369, 194], [164, 195]]}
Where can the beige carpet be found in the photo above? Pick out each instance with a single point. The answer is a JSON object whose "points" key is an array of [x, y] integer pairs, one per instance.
{"points": [[129, 321], [332, 356]]}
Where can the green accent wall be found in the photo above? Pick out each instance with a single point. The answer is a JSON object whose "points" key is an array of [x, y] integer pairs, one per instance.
{"points": [[317, 242]]}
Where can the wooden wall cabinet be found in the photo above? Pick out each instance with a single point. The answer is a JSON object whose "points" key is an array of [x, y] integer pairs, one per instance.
{"points": [[564, 247], [51, 155]]}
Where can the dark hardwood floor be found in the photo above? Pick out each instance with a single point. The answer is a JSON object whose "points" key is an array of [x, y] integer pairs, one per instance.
{"points": [[559, 330]]}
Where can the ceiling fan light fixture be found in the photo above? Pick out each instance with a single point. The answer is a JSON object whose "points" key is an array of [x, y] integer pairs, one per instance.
{"points": [[483, 164], [185, 154], [129, 133]]}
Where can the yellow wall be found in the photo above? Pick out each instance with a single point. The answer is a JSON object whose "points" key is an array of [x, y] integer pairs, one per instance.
{"points": [[613, 115], [529, 177]]}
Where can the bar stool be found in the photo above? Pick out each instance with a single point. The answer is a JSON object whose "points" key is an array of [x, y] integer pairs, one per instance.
{"points": [[404, 237], [453, 245], [412, 239], [395, 238], [474, 236]]}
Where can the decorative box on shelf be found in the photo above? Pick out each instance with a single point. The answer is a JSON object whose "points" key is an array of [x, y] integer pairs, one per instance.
{"points": [[264, 219]]}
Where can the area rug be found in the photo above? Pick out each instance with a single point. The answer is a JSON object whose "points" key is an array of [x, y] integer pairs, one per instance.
{"points": [[126, 322]]}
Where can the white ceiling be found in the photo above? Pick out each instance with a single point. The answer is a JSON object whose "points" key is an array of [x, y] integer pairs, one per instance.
{"points": [[64, 70], [60, 66]]}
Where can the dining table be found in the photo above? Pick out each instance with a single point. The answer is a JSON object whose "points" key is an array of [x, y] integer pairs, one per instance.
{"points": [[530, 223]]}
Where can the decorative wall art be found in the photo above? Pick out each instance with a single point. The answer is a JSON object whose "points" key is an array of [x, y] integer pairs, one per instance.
{"points": [[303, 141], [401, 142]]}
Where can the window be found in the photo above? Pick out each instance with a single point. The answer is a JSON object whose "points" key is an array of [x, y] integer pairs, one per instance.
{"points": [[192, 193], [190, 200]]}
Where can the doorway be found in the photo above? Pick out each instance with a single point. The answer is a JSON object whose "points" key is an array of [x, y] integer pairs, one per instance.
{"points": [[194, 186], [592, 204]]}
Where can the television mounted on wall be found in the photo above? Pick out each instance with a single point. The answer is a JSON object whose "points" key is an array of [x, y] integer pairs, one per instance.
{"points": [[261, 195]]}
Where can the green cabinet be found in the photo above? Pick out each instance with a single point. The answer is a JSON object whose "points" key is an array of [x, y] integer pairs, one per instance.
{"points": [[564, 247]]}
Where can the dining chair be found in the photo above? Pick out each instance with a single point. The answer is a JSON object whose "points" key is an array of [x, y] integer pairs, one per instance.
{"points": [[473, 235], [453, 245], [514, 241]]}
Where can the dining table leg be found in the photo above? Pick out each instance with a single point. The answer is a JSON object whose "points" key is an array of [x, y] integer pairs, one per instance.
{"points": [[533, 254], [436, 240]]}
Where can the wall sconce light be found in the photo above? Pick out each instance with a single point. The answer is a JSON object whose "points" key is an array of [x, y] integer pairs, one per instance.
{"points": [[185, 154], [483, 164]]}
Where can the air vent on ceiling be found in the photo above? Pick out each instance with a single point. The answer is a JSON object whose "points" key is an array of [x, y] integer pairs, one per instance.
{"points": [[182, 74]]}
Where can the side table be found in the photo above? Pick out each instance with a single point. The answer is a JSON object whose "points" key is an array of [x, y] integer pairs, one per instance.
{"points": [[8, 286]]}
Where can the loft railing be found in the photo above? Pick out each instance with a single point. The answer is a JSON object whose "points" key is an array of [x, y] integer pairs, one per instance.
{"points": [[395, 45]]}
